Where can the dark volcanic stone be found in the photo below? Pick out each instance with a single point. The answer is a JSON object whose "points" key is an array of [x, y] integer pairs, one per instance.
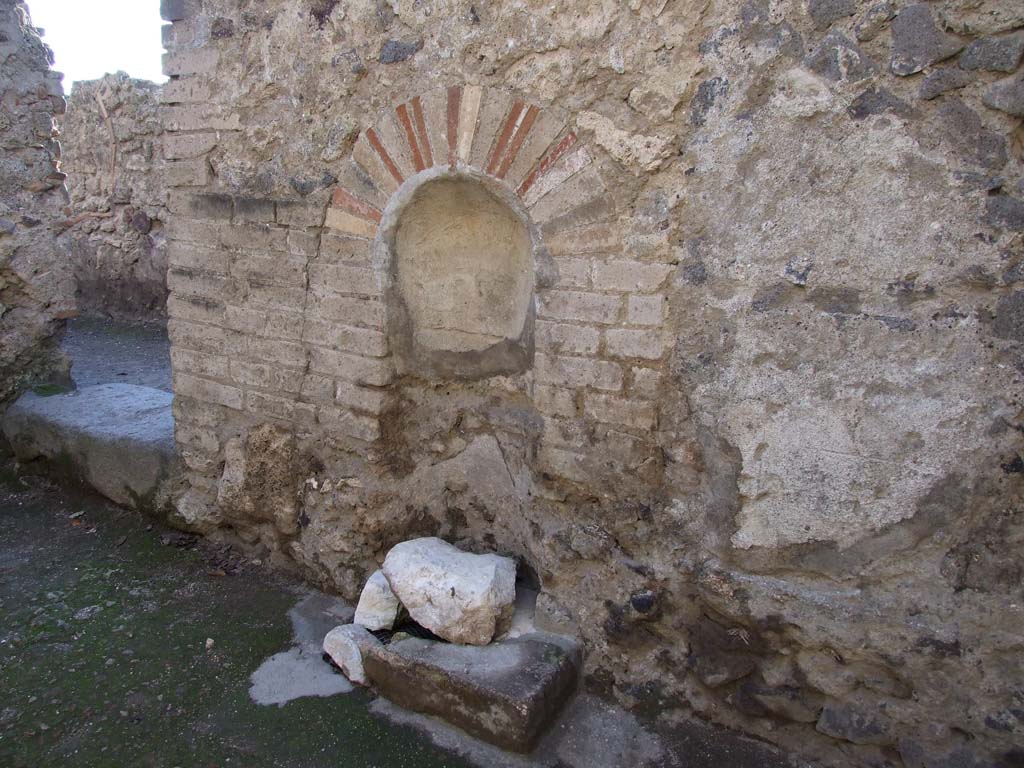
{"points": [[1007, 95], [874, 21], [222, 28], [1005, 212], [995, 54], [395, 51], [917, 42], [1009, 322], [141, 223], [321, 11], [850, 724], [962, 129], [941, 81], [302, 186], [838, 58], [824, 12], [707, 93], [506, 693], [877, 101], [172, 10]]}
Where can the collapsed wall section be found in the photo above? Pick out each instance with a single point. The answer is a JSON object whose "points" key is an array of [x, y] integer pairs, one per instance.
{"points": [[113, 155], [35, 289]]}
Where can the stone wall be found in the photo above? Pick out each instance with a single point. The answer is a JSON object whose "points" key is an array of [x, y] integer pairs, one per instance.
{"points": [[35, 292], [113, 157], [758, 433]]}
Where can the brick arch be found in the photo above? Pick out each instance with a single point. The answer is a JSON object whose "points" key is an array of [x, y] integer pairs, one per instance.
{"points": [[600, 338], [529, 149]]}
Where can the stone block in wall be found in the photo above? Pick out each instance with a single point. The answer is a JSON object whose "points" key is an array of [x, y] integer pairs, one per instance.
{"points": [[629, 276], [617, 410], [187, 90], [647, 345], [270, 324], [645, 310], [367, 399], [560, 338], [578, 372], [187, 173], [367, 342], [255, 210], [218, 207], [188, 145], [173, 10], [198, 61], [295, 213], [360, 370], [208, 391], [581, 307]]}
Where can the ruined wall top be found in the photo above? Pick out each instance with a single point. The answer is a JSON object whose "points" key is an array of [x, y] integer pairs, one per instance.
{"points": [[35, 291]]}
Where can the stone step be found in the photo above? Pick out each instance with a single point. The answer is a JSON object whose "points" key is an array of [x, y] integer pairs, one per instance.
{"points": [[116, 438], [506, 693]]}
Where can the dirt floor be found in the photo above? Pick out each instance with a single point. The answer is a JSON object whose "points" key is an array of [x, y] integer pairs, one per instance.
{"points": [[104, 657]]}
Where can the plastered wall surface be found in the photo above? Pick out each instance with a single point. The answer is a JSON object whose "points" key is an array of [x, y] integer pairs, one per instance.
{"points": [[761, 448]]}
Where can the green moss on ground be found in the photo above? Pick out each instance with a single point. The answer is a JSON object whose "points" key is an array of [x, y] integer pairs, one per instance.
{"points": [[103, 658]]}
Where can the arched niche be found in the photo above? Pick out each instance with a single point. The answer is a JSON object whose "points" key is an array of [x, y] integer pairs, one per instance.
{"points": [[459, 253]]}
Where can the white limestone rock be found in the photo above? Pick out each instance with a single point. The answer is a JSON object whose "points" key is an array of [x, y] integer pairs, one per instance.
{"points": [[378, 606], [462, 597], [346, 645]]}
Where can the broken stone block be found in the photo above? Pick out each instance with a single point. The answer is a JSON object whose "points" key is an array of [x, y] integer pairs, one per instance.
{"points": [[462, 597], [347, 645], [378, 606], [1007, 95], [506, 693], [917, 42], [994, 54]]}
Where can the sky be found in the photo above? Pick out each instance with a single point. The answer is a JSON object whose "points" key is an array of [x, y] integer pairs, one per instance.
{"points": [[92, 37]]}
